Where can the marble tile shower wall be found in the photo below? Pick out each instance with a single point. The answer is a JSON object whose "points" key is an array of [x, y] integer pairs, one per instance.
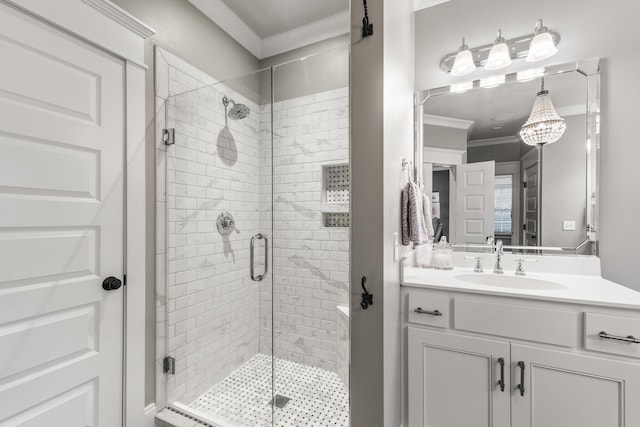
{"points": [[311, 272], [212, 313]]}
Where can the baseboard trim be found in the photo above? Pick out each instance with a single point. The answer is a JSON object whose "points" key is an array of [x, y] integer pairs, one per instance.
{"points": [[150, 415]]}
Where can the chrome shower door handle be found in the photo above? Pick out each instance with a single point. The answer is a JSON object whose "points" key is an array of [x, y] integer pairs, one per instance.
{"points": [[259, 277]]}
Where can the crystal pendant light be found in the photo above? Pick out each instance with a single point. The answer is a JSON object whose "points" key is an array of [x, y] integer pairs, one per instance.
{"points": [[542, 45], [499, 56], [544, 125], [463, 63]]}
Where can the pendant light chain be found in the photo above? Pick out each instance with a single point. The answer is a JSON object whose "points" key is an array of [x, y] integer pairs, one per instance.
{"points": [[367, 28]]}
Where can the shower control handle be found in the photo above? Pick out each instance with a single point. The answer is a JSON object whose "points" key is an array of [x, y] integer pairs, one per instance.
{"points": [[259, 277]]}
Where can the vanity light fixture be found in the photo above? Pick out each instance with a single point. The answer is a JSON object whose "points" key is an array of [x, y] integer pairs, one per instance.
{"points": [[538, 46], [460, 87], [493, 81], [463, 63], [530, 74], [499, 56], [542, 46]]}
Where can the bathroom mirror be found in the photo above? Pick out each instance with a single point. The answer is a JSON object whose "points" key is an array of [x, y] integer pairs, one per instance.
{"points": [[484, 181]]}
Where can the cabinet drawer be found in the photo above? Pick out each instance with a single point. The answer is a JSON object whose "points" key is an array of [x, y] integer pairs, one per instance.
{"points": [[429, 303], [518, 321], [612, 325]]}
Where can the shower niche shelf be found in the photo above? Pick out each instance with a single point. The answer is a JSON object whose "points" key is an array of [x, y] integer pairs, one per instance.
{"points": [[336, 180]]}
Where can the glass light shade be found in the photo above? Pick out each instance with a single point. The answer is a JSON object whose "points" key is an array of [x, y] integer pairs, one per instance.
{"points": [[544, 125], [463, 63], [541, 48], [498, 57]]}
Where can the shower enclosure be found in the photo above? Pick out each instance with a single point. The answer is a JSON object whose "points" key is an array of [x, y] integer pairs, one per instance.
{"points": [[253, 216]]}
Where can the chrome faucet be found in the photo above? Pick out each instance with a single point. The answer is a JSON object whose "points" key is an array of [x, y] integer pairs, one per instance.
{"points": [[497, 268]]}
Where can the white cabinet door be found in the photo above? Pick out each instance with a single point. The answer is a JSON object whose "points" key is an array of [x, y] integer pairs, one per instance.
{"points": [[475, 202], [454, 380], [61, 228], [571, 390]]}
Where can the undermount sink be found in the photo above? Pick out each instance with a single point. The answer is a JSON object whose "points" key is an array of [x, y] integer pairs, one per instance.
{"points": [[509, 281]]}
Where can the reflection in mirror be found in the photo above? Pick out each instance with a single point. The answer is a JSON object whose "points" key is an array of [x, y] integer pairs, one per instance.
{"points": [[486, 182]]}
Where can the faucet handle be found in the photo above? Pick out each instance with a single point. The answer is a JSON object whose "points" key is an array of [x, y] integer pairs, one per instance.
{"points": [[520, 265], [478, 267]]}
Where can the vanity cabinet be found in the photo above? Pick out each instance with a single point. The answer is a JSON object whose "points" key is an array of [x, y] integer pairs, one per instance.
{"points": [[456, 368], [454, 380]]}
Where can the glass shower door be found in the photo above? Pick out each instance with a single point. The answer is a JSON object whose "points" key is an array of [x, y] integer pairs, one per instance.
{"points": [[311, 176], [256, 301], [218, 226]]}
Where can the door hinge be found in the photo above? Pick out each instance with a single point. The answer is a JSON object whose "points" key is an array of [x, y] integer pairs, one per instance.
{"points": [[124, 280], [524, 184], [524, 227], [169, 365], [169, 136]]}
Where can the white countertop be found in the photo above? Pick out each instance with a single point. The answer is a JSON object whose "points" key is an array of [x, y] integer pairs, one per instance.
{"points": [[579, 289]]}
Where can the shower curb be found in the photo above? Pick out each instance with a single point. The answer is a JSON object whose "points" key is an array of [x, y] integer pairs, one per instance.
{"points": [[172, 417]]}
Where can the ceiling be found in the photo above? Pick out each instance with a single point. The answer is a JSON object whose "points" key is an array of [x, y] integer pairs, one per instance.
{"points": [[509, 105], [267, 28], [270, 27], [268, 18]]}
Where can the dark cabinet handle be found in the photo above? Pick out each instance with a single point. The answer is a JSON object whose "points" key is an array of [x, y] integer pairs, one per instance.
{"points": [[501, 381], [419, 310], [521, 385]]}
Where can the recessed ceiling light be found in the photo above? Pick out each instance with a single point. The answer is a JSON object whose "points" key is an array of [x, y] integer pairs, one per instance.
{"points": [[503, 117]]}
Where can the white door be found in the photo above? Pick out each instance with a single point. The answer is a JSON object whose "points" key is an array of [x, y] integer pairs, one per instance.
{"points": [[454, 380], [61, 228], [474, 202], [571, 390], [530, 229]]}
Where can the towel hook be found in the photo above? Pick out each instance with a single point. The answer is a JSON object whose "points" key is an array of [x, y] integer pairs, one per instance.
{"points": [[408, 163]]}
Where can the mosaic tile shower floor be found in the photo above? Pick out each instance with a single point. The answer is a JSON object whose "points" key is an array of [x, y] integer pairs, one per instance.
{"points": [[318, 397]]}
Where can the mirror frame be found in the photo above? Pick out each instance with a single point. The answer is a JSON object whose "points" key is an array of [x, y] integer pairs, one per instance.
{"points": [[590, 69]]}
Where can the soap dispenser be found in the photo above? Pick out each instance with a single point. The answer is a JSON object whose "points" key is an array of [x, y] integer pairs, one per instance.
{"points": [[443, 255]]}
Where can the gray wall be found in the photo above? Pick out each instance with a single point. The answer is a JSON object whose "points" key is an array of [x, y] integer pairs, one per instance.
{"points": [[499, 152], [382, 75], [326, 67], [564, 186], [182, 29], [438, 32], [445, 137]]}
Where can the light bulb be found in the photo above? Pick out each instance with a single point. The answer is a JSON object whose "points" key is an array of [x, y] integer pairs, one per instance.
{"points": [[542, 45], [499, 56], [463, 63]]}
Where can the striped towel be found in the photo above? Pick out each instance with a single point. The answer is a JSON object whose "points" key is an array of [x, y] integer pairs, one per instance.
{"points": [[414, 229]]}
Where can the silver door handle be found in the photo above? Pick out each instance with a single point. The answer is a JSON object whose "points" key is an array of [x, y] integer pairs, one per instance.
{"points": [[259, 277]]}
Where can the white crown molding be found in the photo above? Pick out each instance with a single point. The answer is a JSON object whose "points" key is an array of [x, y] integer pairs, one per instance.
{"points": [[332, 26], [226, 19], [571, 110], [450, 122], [442, 156], [423, 4], [305, 35], [123, 17], [492, 141]]}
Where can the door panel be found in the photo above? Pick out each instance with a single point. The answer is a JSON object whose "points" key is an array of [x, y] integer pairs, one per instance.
{"points": [[531, 205], [61, 228], [475, 202], [572, 390], [453, 381]]}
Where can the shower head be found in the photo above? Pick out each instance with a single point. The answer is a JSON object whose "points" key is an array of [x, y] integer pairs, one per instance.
{"points": [[238, 111]]}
